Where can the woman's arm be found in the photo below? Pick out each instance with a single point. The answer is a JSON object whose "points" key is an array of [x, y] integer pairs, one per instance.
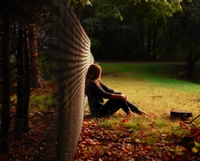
{"points": [[105, 92], [118, 96], [96, 89], [105, 88], [108, 89]]}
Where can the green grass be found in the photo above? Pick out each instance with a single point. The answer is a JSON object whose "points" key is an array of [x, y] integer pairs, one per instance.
{"points": [[159, 74], [42, 102], [152, 88]]}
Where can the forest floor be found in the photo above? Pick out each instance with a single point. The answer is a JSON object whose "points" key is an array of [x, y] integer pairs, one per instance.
{"points": [[101, 143]]}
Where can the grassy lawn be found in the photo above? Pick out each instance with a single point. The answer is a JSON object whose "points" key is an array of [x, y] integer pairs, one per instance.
{"points": [[153, 88]]}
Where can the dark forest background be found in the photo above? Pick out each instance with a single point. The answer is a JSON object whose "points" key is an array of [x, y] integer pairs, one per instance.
{"points": [[144, 30]]}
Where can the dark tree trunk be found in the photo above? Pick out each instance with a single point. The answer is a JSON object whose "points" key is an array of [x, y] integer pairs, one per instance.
{"points": [[20, 84], [36, 76], [23, 83], [25, 119], [192, 58], [5, 114], [154, 36], [141, 42], [190, 66], [149, 44]]}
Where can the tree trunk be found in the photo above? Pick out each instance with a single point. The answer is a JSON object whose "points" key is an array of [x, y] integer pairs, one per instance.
{"points": [[154, 39], [5, 114], [20, 84], [141, 42], [25, 119], [36, 76], [149, 44], [190, 67], [192, 58], [23, 83]]}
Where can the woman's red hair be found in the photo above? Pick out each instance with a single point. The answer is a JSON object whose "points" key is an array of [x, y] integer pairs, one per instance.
{"points": [[93, 73]]}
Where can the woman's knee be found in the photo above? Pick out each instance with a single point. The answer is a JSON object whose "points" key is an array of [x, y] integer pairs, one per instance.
{"points": [[122, 101]]}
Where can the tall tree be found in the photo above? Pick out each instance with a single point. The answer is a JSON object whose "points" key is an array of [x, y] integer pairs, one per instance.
{"points": [[190, 34], [23, 80], [140, 33], [28, 14], [5, 113], [37, 79]]}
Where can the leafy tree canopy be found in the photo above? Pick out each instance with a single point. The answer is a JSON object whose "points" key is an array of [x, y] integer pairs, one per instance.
{"points": [[152, 8], [75, 3]]}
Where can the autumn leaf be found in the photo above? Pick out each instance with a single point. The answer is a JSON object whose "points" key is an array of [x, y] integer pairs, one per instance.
{"points": [[124, 120], [12, 94], [194, 150], [194, 131], [196, 144]]}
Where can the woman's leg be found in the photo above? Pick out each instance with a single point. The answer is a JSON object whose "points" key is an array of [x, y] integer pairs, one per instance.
{"points": [[136, 109], [112, 106], [133, 108]]}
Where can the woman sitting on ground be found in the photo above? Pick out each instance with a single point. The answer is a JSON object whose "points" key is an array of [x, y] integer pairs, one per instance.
{"points": [[96, 92]]}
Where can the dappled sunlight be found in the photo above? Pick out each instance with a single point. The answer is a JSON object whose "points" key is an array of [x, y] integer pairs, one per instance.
{"points": [[155, 136], [154, 98]]}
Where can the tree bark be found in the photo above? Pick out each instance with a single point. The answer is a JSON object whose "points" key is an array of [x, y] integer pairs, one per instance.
{"points": [[37, 80], [191, 60], [25, 119], [142, 42], [20, 84], [5, 114], [154, 39], [149, 44]]}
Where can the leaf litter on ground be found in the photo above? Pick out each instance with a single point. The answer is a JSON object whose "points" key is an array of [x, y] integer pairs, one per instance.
{"points": [[104, 142]]}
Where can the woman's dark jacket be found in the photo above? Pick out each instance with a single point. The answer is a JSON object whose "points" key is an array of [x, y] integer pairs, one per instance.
{"points": [[96, 95]]}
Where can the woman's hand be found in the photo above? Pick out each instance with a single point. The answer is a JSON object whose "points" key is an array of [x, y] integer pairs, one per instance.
{"points": [[119, 96], [124, 97]]}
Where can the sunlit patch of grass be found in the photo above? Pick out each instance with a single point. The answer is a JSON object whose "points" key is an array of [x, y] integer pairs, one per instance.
{"points": [[178, 131], [151, 140], [167, 125], [136, 124], [158, 74], [106, 123], [113, 121], [158, 100], [160, 124], [42, 102], [148, 88]]}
